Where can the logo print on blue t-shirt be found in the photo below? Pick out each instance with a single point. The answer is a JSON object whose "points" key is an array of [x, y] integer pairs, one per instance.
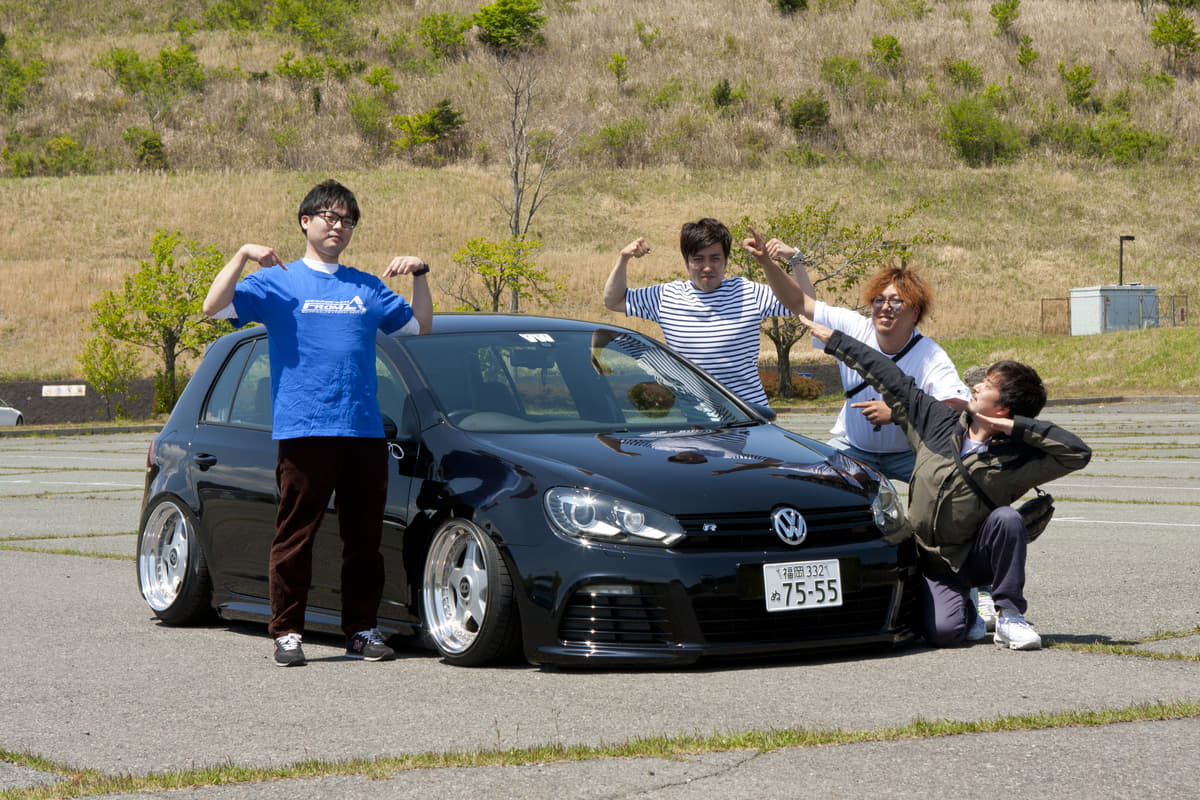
{"points": [[355, 306]]}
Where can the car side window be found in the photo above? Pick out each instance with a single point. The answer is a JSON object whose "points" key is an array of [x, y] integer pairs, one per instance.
{"points": [[220, 399], [394, 399], [252, 401]]}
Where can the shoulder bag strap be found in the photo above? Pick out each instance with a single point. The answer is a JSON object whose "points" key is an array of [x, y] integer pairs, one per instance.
{"points": [[903, 352], [966, 476]]}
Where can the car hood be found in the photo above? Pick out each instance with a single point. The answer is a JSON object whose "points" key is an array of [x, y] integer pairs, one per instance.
{"points": [[686, 472]]}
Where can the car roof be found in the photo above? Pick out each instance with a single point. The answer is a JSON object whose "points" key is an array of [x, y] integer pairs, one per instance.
{"points": [[482, 321]]}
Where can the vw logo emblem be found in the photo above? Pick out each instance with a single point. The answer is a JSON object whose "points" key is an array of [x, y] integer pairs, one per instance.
{"points": [[789, 525]]}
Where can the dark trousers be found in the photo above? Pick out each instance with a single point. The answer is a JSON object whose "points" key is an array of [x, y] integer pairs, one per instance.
{"points": [[997, 557], [308, 472]]}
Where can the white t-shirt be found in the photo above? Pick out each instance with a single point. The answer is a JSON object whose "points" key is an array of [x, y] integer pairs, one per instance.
{"points": [[926, 362], [717, 330]]}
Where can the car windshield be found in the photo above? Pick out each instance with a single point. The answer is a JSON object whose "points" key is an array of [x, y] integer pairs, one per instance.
{"points": [[551, 381]]}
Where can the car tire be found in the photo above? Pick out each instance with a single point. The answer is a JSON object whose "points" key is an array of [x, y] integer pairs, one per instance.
{"points": [[172, 572], [468, 605]]}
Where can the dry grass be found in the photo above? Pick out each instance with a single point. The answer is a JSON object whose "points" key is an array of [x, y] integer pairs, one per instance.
{"points": [[1014, 236], [248, 124]]}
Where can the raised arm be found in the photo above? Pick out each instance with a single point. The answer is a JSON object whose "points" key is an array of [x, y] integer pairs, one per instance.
{"points": [[421, 299], [617, 283], [796, 291], [220, 294]]}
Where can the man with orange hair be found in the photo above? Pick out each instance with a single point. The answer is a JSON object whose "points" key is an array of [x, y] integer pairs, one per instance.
{"points": [[898, 298]]}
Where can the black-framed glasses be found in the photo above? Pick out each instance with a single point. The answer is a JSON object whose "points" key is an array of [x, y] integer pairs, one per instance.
{"points": [[894, 303], [332, 218]]}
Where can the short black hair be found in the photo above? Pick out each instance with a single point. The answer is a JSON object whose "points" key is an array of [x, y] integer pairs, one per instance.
{"points": [[696, 236], [1020, 387], [328, 194]]}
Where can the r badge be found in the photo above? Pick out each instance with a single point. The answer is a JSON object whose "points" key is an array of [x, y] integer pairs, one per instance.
{"points": [[789, 525]]}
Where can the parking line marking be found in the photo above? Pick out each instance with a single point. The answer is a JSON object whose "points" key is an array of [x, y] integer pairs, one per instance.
{"points": [[1128, 522]]}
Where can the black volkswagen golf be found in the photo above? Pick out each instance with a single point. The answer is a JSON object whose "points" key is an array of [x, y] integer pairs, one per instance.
{"points": [[568, 491]]}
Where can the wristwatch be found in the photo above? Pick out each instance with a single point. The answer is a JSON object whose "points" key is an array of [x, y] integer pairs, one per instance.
{"points": [[796, 260], [421, 270]]}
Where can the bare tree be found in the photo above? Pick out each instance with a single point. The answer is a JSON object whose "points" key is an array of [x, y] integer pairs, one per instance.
{"points": [[535, 154]]}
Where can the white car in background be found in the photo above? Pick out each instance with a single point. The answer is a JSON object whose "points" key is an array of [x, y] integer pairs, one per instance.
{"points": [[10, 415]]}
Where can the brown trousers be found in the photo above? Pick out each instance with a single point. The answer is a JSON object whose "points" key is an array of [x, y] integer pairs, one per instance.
{"points": [[308, 472]]}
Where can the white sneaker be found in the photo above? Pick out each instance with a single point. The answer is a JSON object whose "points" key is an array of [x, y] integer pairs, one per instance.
{"points": [[985, 606], [1015, 633]]}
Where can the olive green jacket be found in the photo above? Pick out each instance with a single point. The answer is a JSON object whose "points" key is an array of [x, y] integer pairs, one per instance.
{"points": [[944, 513]]}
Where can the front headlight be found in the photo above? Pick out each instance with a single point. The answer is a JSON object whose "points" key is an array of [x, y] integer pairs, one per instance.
{"points": [[888, 509], [582, 514]]}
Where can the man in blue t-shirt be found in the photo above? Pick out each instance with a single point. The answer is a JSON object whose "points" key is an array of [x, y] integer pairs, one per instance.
{"points": [[321, 317], [710, 319]]}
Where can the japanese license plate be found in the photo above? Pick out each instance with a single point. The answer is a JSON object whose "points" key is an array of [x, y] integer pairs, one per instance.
{"points": [[802, 584]]}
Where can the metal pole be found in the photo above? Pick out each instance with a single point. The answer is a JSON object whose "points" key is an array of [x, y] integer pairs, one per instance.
{"points": [[1121, 258]]}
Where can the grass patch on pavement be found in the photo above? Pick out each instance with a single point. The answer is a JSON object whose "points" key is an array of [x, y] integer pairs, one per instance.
{"points": [[88, 782]]}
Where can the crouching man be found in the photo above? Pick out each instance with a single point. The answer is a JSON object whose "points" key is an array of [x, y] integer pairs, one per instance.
{"points": [[961, 540]]}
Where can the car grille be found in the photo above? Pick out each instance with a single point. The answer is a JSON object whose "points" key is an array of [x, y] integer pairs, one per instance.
{"points": [[640, 618], [731, 619], [753, 531]]}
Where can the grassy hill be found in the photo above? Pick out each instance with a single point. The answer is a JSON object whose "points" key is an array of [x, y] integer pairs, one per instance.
{"points": [[670, 112]]}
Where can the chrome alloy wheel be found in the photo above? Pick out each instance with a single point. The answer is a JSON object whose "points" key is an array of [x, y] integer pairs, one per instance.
{"points": [[456, 586], [166, 543]]}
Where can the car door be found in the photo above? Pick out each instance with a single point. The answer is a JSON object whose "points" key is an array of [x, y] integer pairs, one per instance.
{"points": [[235, 472], [394, 403]]}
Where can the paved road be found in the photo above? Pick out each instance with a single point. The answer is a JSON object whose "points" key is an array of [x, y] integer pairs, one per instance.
{"points": [[90, 680]]}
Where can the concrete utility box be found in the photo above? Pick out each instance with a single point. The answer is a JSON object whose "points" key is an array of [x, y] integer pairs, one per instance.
{"points": [[1098, 309]]}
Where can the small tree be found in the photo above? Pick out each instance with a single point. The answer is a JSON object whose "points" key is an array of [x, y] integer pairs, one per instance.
{"points": [[1173, 30], [1078, 83], [157, 83], [836, 255], [159, 307], [111, 368], [499, 266], [1006, 13], [510, 26]]}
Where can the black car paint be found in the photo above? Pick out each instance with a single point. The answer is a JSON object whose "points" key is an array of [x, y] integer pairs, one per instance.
{"points": [[225, 476]]}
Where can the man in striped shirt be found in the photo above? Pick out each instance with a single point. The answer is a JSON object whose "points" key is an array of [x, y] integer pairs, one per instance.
{"points": [[710, 319]]}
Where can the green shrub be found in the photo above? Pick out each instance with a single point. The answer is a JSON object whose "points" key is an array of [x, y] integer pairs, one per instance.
{"points": [[841, 72], [1114, 140], [808, 114], [1006, 13], [644, 33], [18, 78], [623, 142], [790, 6], [978, 135], [617, 66], [370, 114], [964, 74], [440, 126], [148, 150], [302, 70], [1026, 55], [510, 25], [665, 96], [444, 34], [724, 96], [887, 54], [1173, 30], [323, 25], [1078, 83]]}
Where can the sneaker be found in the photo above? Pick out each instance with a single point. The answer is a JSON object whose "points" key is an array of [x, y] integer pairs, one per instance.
{"points": [[288, 652], [987, 608], [368, 645], [1015, 633]]}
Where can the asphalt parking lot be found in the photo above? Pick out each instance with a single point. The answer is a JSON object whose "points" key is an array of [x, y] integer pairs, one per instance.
{"points": [[92, 681]]}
